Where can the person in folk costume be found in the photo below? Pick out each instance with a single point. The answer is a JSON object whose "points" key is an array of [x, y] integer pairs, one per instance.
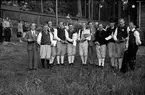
{"points": [[91, 47], [44, 40], [100, 42], [83, 38], [111, 43], [61, 43], [133, 43], [53, 43], [20, 31], [120, 37], [7, 30], [71, 36], [32, 47]]}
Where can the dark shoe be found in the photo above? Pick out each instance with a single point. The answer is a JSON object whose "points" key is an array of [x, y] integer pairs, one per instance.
{"points": [[35, 69], [62, 64], [48, 65], [30, 69]]}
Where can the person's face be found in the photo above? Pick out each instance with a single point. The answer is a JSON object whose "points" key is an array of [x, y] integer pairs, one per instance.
{"points": [[33, 26], [61, 25], [131, 25], [96, 24], [7, 18], [100, 27], [121, 22], [112, 24], [83, 25], [45, 28], [70, 27], [25, 23], [50, 24], [91, 25]]}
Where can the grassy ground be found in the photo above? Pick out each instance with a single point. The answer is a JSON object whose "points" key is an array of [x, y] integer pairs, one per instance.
{"points": [[15, 79]]}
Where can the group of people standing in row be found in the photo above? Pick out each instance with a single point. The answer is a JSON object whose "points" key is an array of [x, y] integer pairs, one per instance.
{"points": [[6, 28], [92, 38]]}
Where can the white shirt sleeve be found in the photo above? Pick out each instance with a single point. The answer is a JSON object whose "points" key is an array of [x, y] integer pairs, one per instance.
{"points": [[39, 38], [137, 38], [51, 37], [115, 35], [78, 36], [67, 36], [55, 35], [89, 37]]}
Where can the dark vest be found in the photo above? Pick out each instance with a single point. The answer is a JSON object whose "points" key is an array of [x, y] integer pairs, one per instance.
{"points": [[61, 33], [100, 37], [45, 40], [70, 34], [122, 33], [132, 41]]}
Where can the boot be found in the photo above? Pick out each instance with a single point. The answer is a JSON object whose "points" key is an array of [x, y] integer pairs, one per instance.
{"points": [[48, 65], [43, 61]]}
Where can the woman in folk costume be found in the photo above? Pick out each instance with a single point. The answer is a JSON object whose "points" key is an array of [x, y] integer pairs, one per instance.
{"points": [[133, 43], [71, 37], [120, 37], [44, 40], [53, 43], [100, 42], [83, 37]]}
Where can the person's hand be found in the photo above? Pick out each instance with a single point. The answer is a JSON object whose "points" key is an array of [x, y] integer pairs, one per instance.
{"points": [[97, 43], [62, 41], [83, 39], [29, 40]]}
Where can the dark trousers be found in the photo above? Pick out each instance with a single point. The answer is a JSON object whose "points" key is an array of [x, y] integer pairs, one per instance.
{"points": [[7, 34], [32, 56], [91, 53]]}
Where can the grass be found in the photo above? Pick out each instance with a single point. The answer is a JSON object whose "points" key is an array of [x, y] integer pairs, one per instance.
{"points": [[15, 79]]}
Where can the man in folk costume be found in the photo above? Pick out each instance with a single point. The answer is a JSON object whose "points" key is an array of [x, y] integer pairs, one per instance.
{"points": [[71, 36], [61, 43], [111, 43], [91, 45], [100, 42], [120, 37], [133, 43], [32, 47], [44, 40], [53, 42], [83, 37]]}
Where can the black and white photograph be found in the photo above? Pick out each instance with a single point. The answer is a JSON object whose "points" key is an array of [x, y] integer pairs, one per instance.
{"points": [[72, 47]]}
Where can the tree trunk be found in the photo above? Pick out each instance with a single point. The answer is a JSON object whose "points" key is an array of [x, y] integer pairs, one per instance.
{"points": [[79, 8], [89, 7], [42, 6]]}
